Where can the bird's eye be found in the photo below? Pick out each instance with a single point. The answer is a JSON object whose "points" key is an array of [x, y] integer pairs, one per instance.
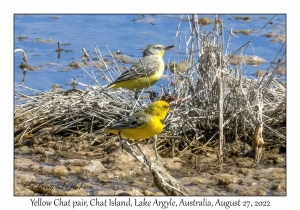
{"points": [[165, 107], [159, 48]]}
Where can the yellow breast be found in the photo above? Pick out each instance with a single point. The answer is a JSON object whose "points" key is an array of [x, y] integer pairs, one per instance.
{"points": [[148, 130]]}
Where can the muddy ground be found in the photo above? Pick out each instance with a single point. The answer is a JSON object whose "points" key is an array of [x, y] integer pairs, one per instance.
{"points": [[57, 168]]}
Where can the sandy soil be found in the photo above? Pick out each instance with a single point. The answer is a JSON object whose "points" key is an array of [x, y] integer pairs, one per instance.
{"points": [[47, 170]]}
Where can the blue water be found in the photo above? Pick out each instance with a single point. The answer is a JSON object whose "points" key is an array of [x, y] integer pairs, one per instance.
{"points": [[127, 33]]}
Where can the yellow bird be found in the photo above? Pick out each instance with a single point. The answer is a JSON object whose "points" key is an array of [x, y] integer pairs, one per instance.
{"points": [[143, 124], [144, 73]]}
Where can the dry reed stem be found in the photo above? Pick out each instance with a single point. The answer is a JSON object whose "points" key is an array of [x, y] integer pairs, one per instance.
{"points": [[204, 111], [257, 142], [162, 179]]}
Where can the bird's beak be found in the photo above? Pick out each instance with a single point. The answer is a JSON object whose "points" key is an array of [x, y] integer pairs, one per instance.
{"points": [[169, 47]]}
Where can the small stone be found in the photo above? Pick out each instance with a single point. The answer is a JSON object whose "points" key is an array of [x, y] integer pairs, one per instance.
{"points": [[60, 171], [262, 192], [244, 171], [147, 193]]}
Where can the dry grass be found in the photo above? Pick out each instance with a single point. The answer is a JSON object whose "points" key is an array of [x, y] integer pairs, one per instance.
{"points": [[246, 59], [279, 38], [244, 32], [242, 18], [218, 104], [206, 21]]}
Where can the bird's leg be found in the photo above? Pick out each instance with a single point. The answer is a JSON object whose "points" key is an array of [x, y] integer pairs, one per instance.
{"points": [[153, 95], [145, 158], [136, 95]]}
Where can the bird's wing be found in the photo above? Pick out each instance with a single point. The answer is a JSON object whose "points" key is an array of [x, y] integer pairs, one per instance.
{"points": [[136, 120], [143, 68]]}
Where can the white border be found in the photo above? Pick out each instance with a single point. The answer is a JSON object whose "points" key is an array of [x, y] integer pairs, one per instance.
{"points": [[139, 7]]}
